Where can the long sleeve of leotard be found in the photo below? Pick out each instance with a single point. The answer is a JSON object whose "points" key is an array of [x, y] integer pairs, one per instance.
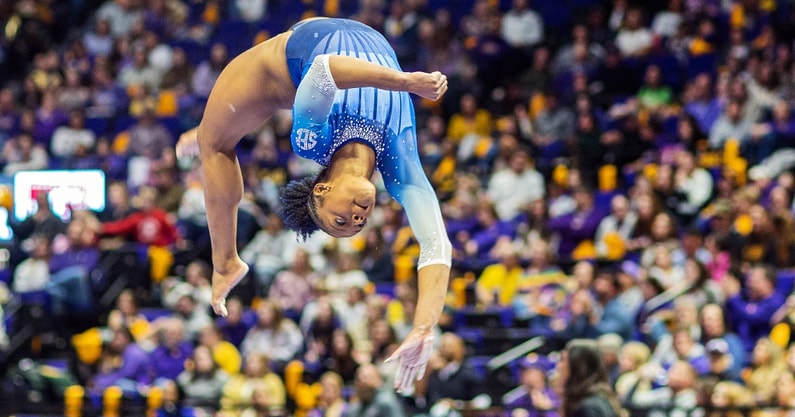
{"points": [[314, 99]]}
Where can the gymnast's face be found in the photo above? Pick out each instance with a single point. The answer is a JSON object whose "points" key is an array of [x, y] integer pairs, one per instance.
{"points": [[343, 206]]}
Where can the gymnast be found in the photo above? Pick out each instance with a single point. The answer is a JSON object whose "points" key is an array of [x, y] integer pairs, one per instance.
{"points": [[353, 114]]}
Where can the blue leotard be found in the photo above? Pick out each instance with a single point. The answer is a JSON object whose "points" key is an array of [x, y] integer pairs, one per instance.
{"points": [[325, 118]]}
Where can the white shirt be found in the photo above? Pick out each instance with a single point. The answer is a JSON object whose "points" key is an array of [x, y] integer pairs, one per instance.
{"points": [[511, 191], [31, 275], [65, 141], [631, 43], [522, 28]]}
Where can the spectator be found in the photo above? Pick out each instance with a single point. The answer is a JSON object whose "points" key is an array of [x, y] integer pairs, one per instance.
{"points": [[533, 395], [703, 106], [578, 227], [22, 153], [678, 398], [265, 253], [127, 314], [521, 26], [731, 395], [170, 189], [634, 40], [453, 381], [237, 392], [225, 354], [751, 313], [584, 381], [236, 323], [274, 335], [373, 397], [347, 274], [140, 78], [330, 402], [730, 125], [74, 95], [148, 139], [167, 360], [515, 187], [721, 362], [619, 223], [470, 119], [292, 288], [767, 365], [99, 41], [123, 364], [74, 139], [202, 381], [149, 225], [713, 326], [631, 359], [121, 15], [192, 313], [208, 71], [496, 286]]}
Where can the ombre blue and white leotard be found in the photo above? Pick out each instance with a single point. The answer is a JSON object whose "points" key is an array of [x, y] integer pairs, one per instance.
{"points": [[325, 118]]}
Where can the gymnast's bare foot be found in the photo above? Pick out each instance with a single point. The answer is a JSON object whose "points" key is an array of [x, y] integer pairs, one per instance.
{"points": [[224, 280]]}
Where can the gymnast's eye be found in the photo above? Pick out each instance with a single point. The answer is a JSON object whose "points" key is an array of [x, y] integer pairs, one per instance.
{"points": [[340, 222]]}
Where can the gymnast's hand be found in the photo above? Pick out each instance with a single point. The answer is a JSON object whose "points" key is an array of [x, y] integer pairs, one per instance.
{"points": [[428, 85], [188, 144], [412, 356]]}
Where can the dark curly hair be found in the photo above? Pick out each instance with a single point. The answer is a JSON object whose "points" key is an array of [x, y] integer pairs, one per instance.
{"points": [[298, 207]]}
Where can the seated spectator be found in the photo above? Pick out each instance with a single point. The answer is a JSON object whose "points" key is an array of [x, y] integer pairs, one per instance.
{"points": [[193, 314], [48, 118], [473, 249], [631, 359], [274, 335], [785, 391], [293, 288], [384, 341], [149, 225], [688, 350], [236, 323], [619, 224], [554, 125], [119, 204], [730, 125], [634, 39], [721, 362], [496, 285], [654, 96], [318, 333], [73, 139], [127, 314], [767, 365], [167, 360], [347, 273], [98, 41], [702, 104], [166, 181], [265, 253], [123, 364], [225, 354], [679, 397], [515, 187], [74, 95], [731, 395], [208, 70], [342, 359], [21, 153], [108, 98], [534, 392], [330, 402], [578, 227], [373, 396], [713, 326], [452, 380], [147, 140], [694, 186], [239, 390], [202, 381], [750, 313]]}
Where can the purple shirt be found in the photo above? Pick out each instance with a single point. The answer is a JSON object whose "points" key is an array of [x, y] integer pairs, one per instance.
{"points": [[167, 363], [85, 257], [133, 367]]}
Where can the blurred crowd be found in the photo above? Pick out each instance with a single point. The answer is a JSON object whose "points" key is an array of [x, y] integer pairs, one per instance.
{"points": [[612, 170]]}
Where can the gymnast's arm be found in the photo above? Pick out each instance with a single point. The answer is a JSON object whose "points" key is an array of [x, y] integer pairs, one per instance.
{"points": [[406, 182]]}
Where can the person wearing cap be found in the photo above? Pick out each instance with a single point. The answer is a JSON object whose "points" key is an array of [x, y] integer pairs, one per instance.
{"points": [[721, 362], [533, 397], [713, 326]]}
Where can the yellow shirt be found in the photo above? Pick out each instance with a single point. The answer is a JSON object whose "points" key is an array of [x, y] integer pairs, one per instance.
{"points": [[227, 357], [496, 278], [237, 392], [459, 126]]}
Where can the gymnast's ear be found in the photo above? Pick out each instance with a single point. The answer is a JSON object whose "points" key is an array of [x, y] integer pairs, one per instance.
{"points": [[321, 189]]}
